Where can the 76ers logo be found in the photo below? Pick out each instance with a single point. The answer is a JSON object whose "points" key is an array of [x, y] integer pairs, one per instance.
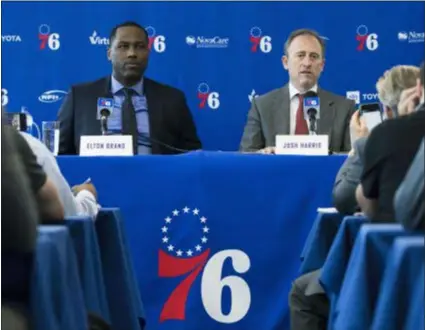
{"points": [[176, 260], [51, 40], [366, 39], [156, 42], [4, 97], [259, 41], [208, 98]]}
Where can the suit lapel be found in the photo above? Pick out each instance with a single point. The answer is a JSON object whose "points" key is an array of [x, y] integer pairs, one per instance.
{"points": [[106, 90], [327, 112], [282, 115], [154, 110]]}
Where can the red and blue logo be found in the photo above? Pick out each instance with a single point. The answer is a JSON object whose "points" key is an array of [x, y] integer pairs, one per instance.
{"points": [[311, 102], [105, 102]]}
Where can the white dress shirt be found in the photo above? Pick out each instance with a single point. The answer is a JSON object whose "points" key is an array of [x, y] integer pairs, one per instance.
{"points": [[294, 102], [84, 203]]}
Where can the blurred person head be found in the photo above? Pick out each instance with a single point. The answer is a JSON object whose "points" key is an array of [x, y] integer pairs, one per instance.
{"points": [[391, 85], [304, 58]]}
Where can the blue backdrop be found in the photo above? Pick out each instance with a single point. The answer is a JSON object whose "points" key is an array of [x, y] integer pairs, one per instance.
{"points": [[203, 47]]}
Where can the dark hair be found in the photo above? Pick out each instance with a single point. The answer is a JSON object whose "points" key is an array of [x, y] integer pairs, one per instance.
{"points": [[302, 32], [128, 23], [422, 74]]}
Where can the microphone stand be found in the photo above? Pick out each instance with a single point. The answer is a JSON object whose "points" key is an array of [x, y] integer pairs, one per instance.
{"points": [[312, 121], [104, 125]]}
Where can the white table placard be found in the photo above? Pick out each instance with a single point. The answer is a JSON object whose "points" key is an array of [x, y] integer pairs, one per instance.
{"points": [[312, 145], [106, 145]]}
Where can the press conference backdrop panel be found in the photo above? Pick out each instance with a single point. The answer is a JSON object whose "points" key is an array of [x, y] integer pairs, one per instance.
{"points": [[220, 54]]}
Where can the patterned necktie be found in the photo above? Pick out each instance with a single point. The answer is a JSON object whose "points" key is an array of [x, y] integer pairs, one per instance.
{"points": [[301, 127], [128, 117]]}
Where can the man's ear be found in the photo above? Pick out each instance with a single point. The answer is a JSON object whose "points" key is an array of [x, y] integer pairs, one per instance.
{"points": [[323, 63], [285, 62], [108, 53]]}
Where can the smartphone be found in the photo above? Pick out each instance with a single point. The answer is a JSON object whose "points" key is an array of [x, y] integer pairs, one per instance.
{"points": [[372, 114]]}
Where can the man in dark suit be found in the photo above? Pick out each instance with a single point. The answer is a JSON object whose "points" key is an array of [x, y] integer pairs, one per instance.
{"points": [[280, 111], [156, 115]]}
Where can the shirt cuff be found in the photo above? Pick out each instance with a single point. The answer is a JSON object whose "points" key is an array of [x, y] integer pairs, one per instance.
{"points": [[86, 204]]}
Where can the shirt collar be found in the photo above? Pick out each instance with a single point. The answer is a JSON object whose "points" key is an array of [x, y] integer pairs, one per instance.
{"points": [[116, 86], [293, 91]]}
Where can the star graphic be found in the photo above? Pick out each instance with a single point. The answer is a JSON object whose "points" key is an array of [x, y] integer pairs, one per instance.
{"points": [[180, 251]]}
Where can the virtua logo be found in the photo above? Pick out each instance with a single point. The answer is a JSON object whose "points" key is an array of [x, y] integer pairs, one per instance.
{"points": [[11, 38], [96, 40]]}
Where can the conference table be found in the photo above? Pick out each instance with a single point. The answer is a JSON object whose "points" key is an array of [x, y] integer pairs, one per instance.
{"points": [[215, 237]]}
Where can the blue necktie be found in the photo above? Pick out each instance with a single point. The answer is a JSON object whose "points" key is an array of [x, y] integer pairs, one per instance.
{"points": [[128, 117]]}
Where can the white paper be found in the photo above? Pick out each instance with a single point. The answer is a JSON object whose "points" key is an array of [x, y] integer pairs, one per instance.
{"points": [[327, 210]]}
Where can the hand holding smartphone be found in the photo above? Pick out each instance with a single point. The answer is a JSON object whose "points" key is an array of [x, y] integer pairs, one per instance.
{"points": [[372, 114]]}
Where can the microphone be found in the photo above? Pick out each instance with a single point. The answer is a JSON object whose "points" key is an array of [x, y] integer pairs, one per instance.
{"points": [[105, 107], [104, 114], [311, 108]]}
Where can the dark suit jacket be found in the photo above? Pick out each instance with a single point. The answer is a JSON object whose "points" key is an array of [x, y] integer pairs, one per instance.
{"points": [[347, 180], [270, 116], [170, 119]]}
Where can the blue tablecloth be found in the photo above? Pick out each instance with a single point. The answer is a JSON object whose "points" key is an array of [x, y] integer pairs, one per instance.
{"points": [[319, 241], [415, 316], [86, 247], [123, 294], [360, 289], [57, 298], [400, 303], [226, 229], [333, 271]]}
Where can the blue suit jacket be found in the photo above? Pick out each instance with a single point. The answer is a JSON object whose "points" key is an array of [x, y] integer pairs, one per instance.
{"points": [[170, 120]]}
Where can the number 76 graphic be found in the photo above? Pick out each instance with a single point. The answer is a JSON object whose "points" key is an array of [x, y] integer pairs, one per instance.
{"points": [[364, 38], [212, 284]]}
